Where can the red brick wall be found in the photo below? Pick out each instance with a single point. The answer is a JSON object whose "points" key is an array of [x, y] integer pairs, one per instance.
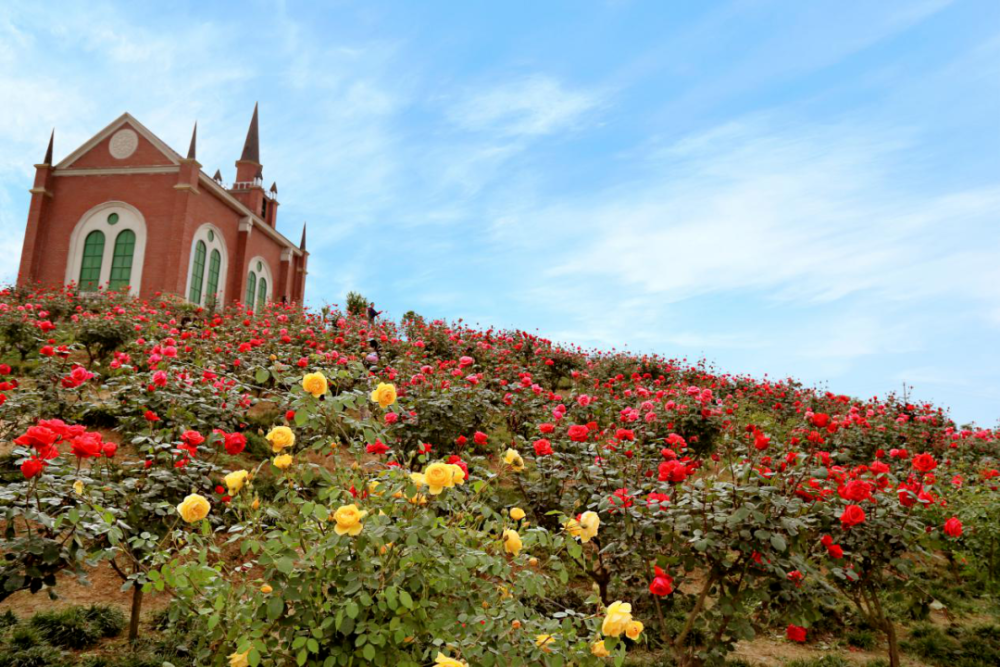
{"points": [[172, 216]]}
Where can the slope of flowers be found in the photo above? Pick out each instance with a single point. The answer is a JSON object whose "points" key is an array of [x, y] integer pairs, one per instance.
{"points": [[313, 488]]}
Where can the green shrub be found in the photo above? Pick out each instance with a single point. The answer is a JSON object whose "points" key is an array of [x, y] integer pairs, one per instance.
{"points": [[25, 637], [955, 646], [108, 621], [357, 304], [37, 656], [862, 638], [67, 628], [825, 661], [8, 619]]}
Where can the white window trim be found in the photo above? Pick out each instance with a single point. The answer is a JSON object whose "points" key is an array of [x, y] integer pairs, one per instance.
{"points": [[96, 218], [218, 244], [268, 276]]}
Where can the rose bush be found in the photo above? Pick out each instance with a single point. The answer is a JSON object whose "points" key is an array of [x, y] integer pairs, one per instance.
{"points": [[459, 494]]}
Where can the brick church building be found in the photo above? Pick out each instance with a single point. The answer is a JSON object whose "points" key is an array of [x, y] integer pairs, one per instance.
{"points": [[124, 210]]}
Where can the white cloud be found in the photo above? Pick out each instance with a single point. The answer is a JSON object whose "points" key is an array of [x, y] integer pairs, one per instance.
{"points": [[530, 106]]}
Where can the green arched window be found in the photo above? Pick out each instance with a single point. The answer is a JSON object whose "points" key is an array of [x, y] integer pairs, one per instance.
{"points": [[197, 272], [214, 264], [121, 263], [90, 267], [251, 289], [261, 293]]}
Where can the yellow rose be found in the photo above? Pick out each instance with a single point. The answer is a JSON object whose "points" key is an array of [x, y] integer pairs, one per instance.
{"points": [[194, 508], [543, 641], [256, 503], [516, 513], [439, 477], [282, 462], [514, 460], [418, 479], [633, 629], [234, 481], [384, 394], [418, 499], [512, 542], [589, 522], [573, 527], [266, 588], [617, 618], [315, 384], [280, 437], [444, 661], [239, 659], [78, 487], [348, 518], [599, 650], [457, 474]]}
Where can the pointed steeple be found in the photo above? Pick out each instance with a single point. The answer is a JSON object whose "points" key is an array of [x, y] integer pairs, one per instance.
{"points": [[274, 187], [194, 142], [218, 176], [48, 151], [302, 243], [251, 147]]}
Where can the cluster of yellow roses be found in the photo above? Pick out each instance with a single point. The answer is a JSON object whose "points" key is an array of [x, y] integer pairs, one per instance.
{"points": [[281, 438], [439, 476]]}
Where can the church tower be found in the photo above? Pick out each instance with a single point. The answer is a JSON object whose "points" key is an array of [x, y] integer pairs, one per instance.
{"points": [[249, 185]]}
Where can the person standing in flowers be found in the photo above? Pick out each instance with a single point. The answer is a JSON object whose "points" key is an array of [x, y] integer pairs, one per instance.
{"points": [[372, 313]]}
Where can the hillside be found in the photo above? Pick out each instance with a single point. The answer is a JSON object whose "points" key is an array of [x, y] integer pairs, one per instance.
{"points": [[292, 486]]}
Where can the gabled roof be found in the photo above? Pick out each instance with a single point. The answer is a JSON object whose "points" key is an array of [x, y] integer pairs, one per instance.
{"points": [[175, 158], [126, 117]]}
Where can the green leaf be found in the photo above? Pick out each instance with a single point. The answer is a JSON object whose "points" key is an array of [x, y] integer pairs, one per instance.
{"points": [[261, 375], [352, 609], [285, 565], [405, 598], [274, 607], [778, 542], [369, 652]]}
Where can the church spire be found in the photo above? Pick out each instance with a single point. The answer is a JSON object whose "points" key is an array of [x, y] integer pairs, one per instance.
{"points": [[48, 151], [302, 243], [194, 142], [251, 147]]}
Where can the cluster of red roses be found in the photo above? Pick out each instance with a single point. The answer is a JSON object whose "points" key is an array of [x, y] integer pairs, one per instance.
{"points": [[45, 437]]}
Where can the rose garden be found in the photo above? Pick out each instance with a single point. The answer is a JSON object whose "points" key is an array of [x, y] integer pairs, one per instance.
{"points": [[301, 487]]}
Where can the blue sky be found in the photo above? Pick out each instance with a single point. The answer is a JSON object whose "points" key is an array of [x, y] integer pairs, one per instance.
{"points": [[805, 189]]}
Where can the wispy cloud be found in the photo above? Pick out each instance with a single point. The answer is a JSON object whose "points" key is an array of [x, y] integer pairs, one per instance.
{"points": [[528, 106]]}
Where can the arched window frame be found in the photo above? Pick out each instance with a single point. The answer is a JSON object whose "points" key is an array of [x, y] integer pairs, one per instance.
{"points": [[121, 238], [212, 237], [96, 218], [265, 275]]}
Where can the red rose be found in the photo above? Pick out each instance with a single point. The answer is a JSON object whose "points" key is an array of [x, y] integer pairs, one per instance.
{"points": [[672, 471], [625, 434], [578, 433], [795, 633], [32, 467], [820, 420], [391, 418], [924, 462], [235, 443], [852, 516], [378, 447], [835, 551], [662, 584], [953, 527], [543, 447], [479, 438], [856, 490], [547, 428]]}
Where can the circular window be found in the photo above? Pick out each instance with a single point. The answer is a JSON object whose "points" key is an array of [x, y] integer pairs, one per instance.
{"points": [[113, 218], [260, 266], [211, 235]]}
